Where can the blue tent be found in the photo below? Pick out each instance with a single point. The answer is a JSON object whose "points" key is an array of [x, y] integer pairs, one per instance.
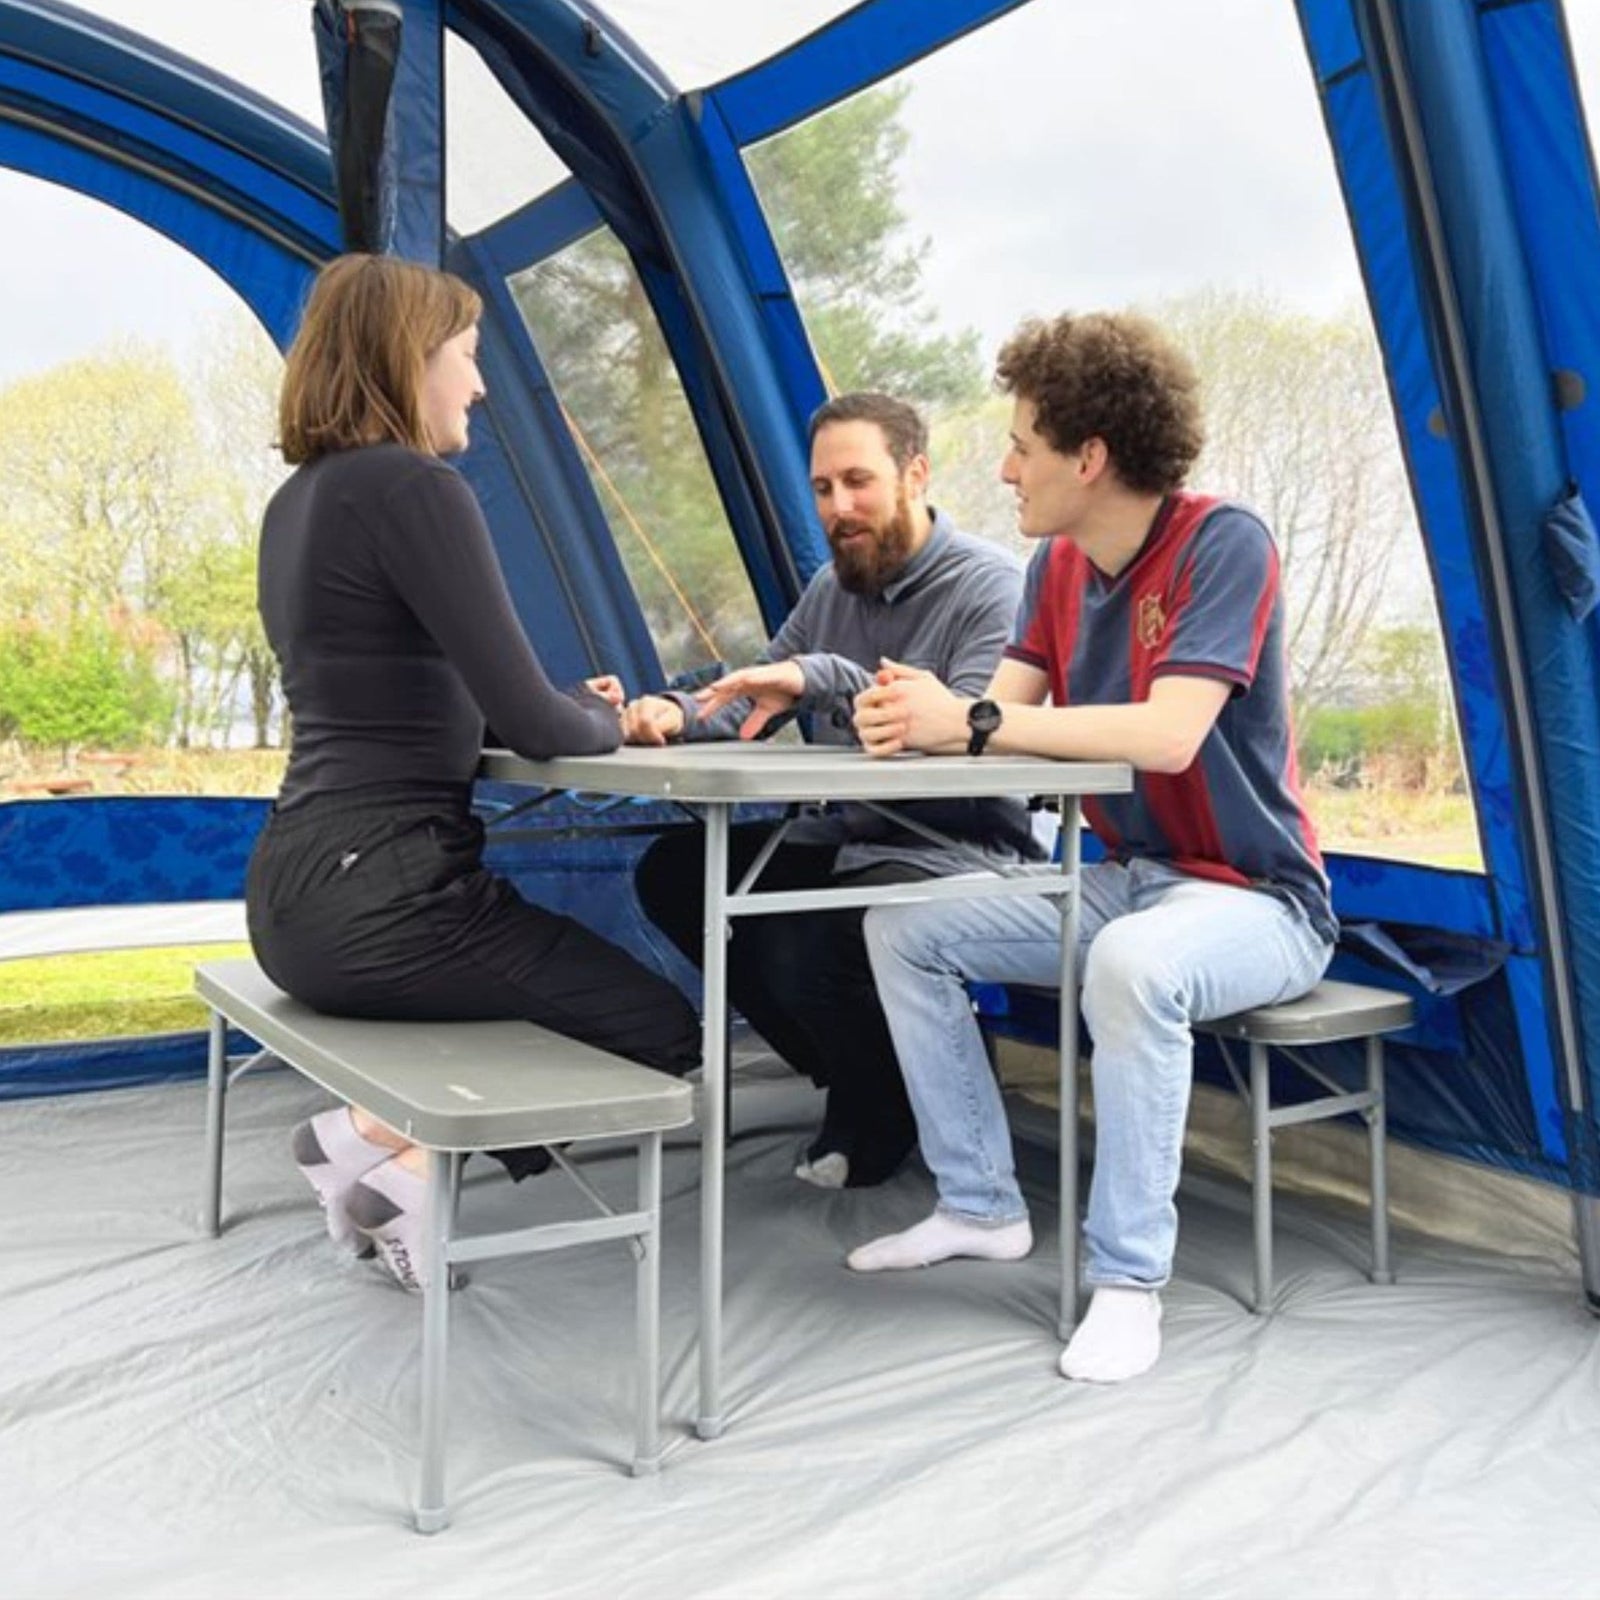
{"points": [[1469, 183]]}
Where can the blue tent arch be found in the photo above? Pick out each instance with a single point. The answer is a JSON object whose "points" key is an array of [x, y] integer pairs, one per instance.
{"points": [[1468, 177]]}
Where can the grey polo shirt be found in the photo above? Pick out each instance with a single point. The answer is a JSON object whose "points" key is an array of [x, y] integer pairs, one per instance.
{"points": [[950, 610]]}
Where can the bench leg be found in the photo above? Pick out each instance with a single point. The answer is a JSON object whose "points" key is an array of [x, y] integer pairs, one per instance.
{"points": [[216, 1111], [647, 1310], [443, 1177], [1261, 1176], [1377, 1117]]}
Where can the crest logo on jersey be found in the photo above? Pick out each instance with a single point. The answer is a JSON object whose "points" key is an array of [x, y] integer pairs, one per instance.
{"points": [[1152, 621]]}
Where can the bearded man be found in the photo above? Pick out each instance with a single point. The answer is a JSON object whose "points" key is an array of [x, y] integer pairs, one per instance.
{"points": [[906, 585]]}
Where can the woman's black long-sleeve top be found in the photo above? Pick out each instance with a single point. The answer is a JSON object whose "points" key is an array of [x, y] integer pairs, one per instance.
{"points": [[395, 633]]}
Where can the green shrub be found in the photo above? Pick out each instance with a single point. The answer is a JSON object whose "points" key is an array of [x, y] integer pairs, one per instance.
{"points": [[92, 682], [1401, 743]]}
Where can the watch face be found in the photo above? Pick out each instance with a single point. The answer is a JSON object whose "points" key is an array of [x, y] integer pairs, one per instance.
{"points": [[983, 717]]}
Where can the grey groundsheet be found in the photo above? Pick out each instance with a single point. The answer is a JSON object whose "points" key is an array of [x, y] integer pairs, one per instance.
{"points": [[182, 1416]]}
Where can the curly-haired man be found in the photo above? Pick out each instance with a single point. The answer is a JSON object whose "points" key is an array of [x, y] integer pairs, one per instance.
{"points": [[1153, 625]]}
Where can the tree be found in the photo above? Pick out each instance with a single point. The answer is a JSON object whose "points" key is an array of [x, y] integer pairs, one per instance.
{"points": [[1298, 424], [831, 191], [133, 492], [98, 458], [212, 602]]}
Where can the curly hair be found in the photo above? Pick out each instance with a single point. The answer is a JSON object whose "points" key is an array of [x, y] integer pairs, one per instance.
{"points": [[1111, 376], [353, 375]]}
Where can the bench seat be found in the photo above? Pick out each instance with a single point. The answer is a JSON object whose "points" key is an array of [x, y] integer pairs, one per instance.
{"points": [[452, 1085]]}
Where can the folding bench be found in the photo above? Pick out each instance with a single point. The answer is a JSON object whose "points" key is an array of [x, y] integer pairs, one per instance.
{"points": [[1331, 1013], [452, 1088]]}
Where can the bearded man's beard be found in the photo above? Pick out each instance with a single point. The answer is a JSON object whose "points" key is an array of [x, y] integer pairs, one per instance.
{"points": [[867, 566]]}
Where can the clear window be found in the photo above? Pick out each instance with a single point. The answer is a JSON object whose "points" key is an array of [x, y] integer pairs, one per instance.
{"points": [[1583, 31], [597, 335], [496, 160], [268, 48], [136, 420], [699, 42], [1067, 158]]}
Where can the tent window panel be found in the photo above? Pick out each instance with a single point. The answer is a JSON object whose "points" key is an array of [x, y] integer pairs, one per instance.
{"points": [[593, 326], [496, 160], [700, 42], [1583, 33], [132, 656], [267, 48], [915, 247]]}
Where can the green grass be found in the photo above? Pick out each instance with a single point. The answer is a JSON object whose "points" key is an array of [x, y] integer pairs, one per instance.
{"points": [[104, 994]]}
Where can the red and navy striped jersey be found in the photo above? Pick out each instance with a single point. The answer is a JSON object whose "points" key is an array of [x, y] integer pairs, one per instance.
{"points": [[1201, 598]]}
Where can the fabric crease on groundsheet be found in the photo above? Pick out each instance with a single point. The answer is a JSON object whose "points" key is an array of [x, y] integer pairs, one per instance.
{"points": [[188, 1417]]}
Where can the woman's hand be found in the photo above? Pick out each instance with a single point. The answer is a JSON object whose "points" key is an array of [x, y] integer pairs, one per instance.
{"points": [[609, 688], [652, 719]]}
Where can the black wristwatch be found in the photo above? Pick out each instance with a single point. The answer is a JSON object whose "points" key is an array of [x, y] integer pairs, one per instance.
{"points": [[983, 718]]}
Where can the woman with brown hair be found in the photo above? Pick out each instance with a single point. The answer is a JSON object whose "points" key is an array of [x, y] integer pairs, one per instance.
{"points": [[387, 610]]}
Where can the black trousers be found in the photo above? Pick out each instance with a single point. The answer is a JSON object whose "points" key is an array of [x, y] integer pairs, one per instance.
{"points": [[367, 906], [803, 981]]}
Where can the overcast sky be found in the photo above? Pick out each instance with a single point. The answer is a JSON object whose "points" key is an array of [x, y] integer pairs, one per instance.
{"points": [[1077, 152]]}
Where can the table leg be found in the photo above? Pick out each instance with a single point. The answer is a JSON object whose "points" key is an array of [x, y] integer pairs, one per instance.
{"points": [[216, 1113], [714, 1119], [1071, 863]]}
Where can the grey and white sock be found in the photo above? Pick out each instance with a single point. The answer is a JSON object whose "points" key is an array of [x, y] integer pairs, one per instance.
{"points": [[388, 1208], [332, 1156]]}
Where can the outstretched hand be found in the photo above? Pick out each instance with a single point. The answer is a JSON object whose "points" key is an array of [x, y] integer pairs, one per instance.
{"points": [[773, 687], [908, 708]]}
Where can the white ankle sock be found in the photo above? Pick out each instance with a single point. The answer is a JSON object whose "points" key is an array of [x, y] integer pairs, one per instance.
{"points": [[389, 1207], [332, 1155], [938, 1238], [1119, 1338], [831, 1171]]}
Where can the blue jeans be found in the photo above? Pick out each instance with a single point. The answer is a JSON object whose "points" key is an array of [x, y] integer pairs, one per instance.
{"points": [[1157, 950]]}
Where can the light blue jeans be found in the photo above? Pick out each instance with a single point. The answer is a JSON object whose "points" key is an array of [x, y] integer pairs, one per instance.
{"points": [[1157, 950]]}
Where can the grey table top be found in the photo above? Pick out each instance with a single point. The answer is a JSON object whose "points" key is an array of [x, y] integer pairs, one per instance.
{"points": [[729, 770]]}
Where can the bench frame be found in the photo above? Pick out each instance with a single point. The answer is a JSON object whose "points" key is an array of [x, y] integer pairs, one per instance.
{"points": [[443, 1247], [1331, 1013]]}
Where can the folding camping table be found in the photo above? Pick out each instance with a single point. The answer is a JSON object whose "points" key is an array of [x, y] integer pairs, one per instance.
{"points": [[710, 780]]}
